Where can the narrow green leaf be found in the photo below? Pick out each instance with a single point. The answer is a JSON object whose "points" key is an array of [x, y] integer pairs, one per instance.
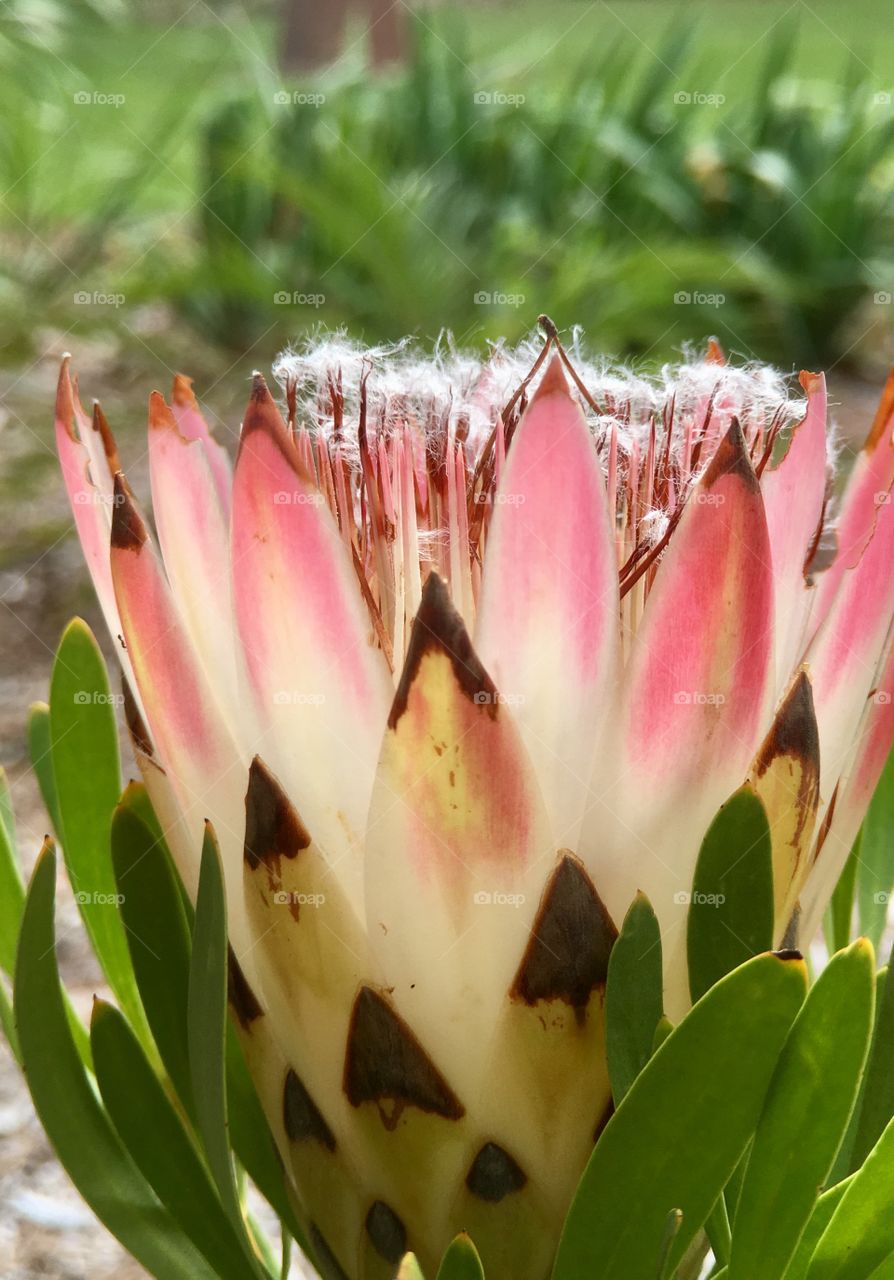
{"points": [[633, 996], [77, 1126], [680, 1131], [206, 1030], [877, 1099], [805, 1116], [40, 753], [840, 911], [157, 936], [7, 1022], [860, 1235], [154, 1135], [671, 1231], [7, 816], [12, 891], [662, 1031], [875, 875], [816, 1225], [85, 766], [461, 1261], [731, 907]]}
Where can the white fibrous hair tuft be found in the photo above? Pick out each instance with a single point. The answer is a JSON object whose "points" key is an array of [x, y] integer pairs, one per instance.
{"points": [[406, 445]]}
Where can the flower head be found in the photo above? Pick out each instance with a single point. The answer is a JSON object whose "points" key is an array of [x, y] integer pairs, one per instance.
{"points": [[457, 659]]}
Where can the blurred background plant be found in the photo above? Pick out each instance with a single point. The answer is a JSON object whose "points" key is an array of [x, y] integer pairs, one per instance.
{"points": [[650, 173]]}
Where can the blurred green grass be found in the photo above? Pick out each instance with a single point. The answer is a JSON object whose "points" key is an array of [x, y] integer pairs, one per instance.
{"points": [[182, 214]]}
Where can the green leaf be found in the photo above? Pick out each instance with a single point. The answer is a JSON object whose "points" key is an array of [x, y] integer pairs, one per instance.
{"points": [[77, 1126], [805, 1116], [158, 936], [841, 908], [671, 1231], [154, 1135], [40, 753], [7, 816], [85, 766], [817, 1223], [860, 1235], [877, 1100], [680, 1131], [7, 1022], [206, 1030], [633, 996], [731, 909], [12, 891], [662, 1031], [461, 1261], [875, 876]]}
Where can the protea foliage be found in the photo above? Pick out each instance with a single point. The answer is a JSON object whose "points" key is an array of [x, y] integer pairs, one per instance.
{"points": [[460, 665]]}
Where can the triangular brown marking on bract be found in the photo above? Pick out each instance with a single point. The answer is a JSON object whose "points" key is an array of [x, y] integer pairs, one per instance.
{"points": [[438, 628], [385, 1063], [273, 829], [302, 1119], [570, 943], [244, 1002]]}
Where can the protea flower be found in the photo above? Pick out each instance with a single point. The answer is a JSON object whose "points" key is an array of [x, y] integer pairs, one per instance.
{"points": [[457, 660]]}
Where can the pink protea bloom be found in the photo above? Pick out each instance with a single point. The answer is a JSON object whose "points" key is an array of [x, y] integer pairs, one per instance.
{"points": [[457, 659]]}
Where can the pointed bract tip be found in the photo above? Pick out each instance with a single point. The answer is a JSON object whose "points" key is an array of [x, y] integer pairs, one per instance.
{"points": [[160, 416], [553, 381], [273, 828], [182, 394], [104, 431], [794, 729], [789, 955], [439, 628], [812, 383], [731, 459], [128, 530], [714, 353], [65, 398]]}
